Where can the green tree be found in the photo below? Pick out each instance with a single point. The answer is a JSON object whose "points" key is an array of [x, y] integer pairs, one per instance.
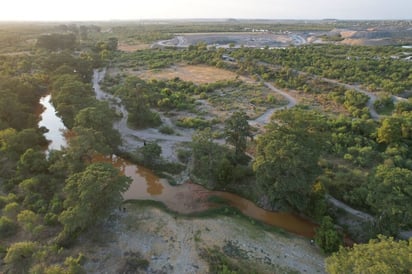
{"points": [[327, 237], [287, 154], [151, 153], [390, 197], [20, 256], [206, 154], [7, 227], [30, 221], [390, 131], [396, 129], [355, 99], [99, 118], [32, 162], [86, 143], [237, 129], [57, 41], [90, 196], [383, 255], [70, 95]]}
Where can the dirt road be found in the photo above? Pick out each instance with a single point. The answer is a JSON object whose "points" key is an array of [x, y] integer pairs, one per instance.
{"points": [[133, 139], [265, 118]]}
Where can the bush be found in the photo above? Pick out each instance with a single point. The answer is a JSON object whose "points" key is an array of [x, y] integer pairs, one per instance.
{"points": [[3, 201], [7, 227], [11, 209], [327, 237], [196, 123], [51, 219], [166, 130], [184, 155], [151, 153], [3, 251], [19, 257]]}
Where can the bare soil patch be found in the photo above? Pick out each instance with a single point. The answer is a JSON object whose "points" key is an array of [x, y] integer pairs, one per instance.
{"points": [[174, 244], [198, 74], [252, 39], [132, 47]]}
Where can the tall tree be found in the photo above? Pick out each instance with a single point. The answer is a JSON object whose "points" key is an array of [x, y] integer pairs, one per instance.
{"points": [[205, 154], [237, 129], [286, 162]]}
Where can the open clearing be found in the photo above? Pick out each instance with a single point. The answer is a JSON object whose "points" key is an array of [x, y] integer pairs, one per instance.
{"points": [[252, 97], [132, 47], [197, 74]]}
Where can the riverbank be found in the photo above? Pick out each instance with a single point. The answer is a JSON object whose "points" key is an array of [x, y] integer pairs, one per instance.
{"points": [[176, 244]]}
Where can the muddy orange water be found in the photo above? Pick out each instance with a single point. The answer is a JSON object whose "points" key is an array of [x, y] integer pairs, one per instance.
{"points": [[185, 198], [190, 198]]}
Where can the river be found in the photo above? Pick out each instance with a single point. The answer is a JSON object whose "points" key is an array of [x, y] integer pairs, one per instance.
{"points": [[53, 123], [186, 198]]}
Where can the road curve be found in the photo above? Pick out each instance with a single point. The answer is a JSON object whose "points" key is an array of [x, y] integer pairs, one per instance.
{"points": [[372, 97], [265, 117]]}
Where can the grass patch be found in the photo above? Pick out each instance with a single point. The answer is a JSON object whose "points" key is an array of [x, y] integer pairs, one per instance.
{"points": [[386, 110], [198, 74]]}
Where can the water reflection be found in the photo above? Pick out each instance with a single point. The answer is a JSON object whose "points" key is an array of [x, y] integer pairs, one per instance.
{"points": [[53, 123]]}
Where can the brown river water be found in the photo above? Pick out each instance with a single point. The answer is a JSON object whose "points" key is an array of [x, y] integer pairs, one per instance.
{"points": [[190, 198], [186, 198]]}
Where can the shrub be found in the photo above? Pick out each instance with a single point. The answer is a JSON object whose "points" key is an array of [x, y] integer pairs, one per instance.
{"points": [[327, 237], [11, 209], [183, 155], [7, 227], [19, 257], [196, 123], [166, 130], [3, 201]]}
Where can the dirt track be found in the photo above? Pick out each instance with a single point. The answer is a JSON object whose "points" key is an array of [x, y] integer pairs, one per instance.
{"points": [[133, 139]]}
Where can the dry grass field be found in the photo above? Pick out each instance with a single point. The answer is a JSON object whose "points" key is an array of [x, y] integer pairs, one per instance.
{"points": [[130, 48], [198, 74]]}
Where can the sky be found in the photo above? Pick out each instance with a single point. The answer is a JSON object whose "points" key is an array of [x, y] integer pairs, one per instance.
{"points": [[92, 10]]}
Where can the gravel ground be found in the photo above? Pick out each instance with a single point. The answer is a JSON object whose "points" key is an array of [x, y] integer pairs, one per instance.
{"points": [[172, 244]]}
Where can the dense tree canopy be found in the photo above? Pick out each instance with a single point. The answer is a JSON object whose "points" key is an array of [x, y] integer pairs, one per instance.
{"points": [[57, 41], [287, 155], [390, 197], [382, 255], [91, 195]]}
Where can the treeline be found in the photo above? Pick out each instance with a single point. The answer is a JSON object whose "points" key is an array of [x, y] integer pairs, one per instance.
{"points": [[351, 157], [304, 155], [163, 58], [376, 68], [47, 201]]}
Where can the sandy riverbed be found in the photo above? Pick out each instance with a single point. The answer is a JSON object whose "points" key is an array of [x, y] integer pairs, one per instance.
{"points": [[172, 244]]}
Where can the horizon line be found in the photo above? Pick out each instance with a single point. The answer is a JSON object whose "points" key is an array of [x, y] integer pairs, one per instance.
{"points": [[192, 19]]}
